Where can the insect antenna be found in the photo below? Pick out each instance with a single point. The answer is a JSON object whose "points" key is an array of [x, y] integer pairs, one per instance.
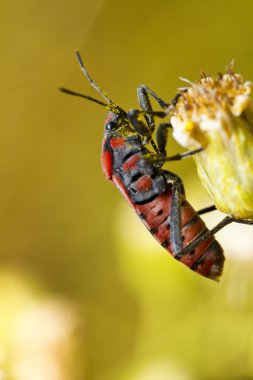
{"points": [[70, 92], [110, 104], [102, 93]]}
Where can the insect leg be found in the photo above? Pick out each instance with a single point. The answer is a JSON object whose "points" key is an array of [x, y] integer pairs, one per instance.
{"points": [[190, 247], [206, 209], [143, 129], [243, 221], [227, 220], [143, 93], [175, 216], [162, 137], [180, 156], [134, 116], [177, 157]]}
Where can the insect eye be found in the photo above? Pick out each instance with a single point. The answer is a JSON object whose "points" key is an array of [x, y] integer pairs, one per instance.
{"points": [[111, 126]]}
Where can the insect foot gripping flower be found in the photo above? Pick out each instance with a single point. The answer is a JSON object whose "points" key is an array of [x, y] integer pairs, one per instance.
{"points": [[217, 114]]}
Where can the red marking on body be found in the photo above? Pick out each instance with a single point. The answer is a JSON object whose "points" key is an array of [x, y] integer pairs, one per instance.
{"points": [[162, 233], [192, 230], [190, 233], [106, 161], [190, 258], [117, 142], [143, 184], [155, 212], [109, 117], [208, 252], [131, 162], [211, 263]]}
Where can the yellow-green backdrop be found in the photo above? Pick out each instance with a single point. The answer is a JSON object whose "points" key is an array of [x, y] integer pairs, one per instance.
{"points": [[85, 292]]}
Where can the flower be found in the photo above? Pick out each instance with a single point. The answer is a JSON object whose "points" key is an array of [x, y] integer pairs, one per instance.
{"points": [[217, 114]]}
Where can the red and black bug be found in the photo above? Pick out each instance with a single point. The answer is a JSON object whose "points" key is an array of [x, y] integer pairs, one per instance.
{"points": [[157, 195]]}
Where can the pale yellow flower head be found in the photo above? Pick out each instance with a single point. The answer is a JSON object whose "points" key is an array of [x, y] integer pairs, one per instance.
{"points": [[217, 114]]}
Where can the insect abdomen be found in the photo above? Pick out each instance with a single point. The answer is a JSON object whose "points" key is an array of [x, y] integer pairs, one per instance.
{"points": [[207, 258]]}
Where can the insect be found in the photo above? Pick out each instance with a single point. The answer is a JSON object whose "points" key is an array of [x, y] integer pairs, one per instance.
{"points": [[133, 161]]}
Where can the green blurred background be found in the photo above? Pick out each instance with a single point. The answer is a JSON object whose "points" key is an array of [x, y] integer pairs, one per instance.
{"points": [[85, 292]]}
